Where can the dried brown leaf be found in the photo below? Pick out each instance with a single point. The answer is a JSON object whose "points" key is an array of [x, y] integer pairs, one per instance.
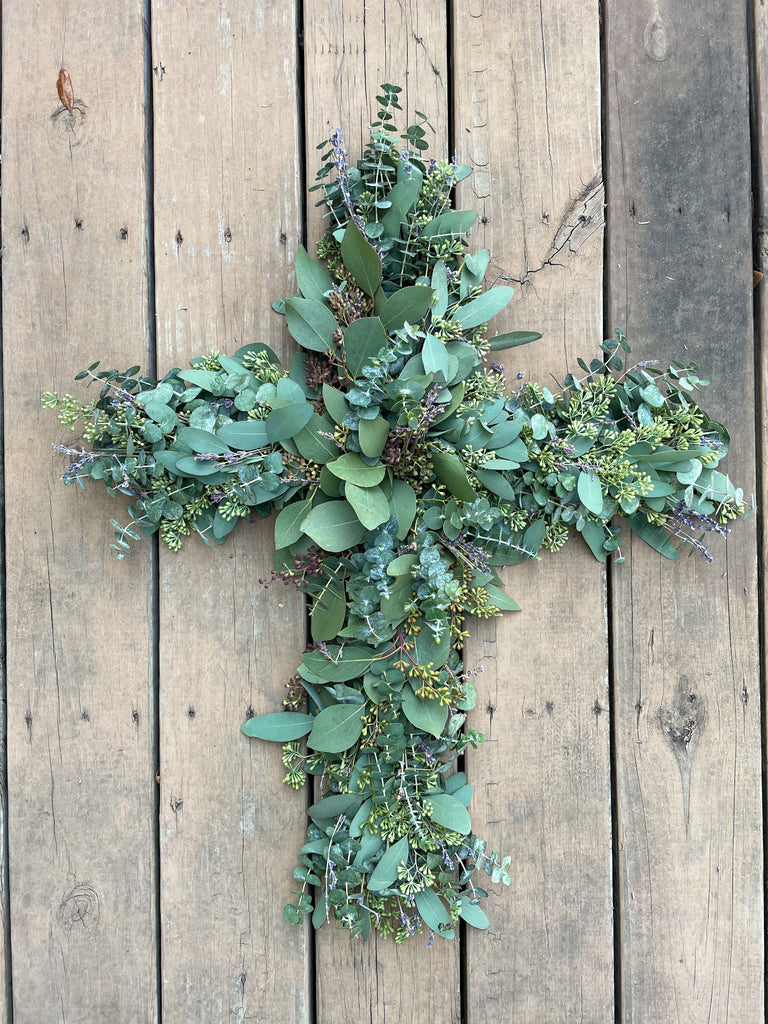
{"points": [[65, 90]]}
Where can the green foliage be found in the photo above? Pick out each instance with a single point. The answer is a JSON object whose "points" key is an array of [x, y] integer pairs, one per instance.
{"points": [[403, 472]]}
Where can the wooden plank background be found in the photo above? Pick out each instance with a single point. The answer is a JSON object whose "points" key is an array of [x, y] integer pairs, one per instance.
{"points": [[147, 846], [542, 780], [83, 901], [686, 667]]}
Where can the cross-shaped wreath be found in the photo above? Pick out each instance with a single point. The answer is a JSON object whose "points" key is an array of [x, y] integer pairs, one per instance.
{"points": [[404, 471]]}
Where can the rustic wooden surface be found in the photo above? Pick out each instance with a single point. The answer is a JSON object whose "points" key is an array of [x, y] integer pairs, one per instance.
{"points": [[118, 671], [227, 224], [528, 122], [687, 695], [80, 699]]}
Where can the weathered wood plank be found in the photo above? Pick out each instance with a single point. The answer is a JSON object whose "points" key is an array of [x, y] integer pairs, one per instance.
{"points": [[79, 645], [227, 226], [760, 200], [685, 635], [350, 49], [528, 122]]}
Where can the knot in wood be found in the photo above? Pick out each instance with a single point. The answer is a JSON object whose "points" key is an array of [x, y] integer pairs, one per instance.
{"points": [[78, 910], [682, 720]]}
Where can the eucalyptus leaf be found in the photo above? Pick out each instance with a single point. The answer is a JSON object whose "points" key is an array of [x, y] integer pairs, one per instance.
{"points": [[335, 402], [395, 605], [467, 357], [434, 913], [333, 526], [336, 728], [341, 664], [455, 782], [594, 535], [449, 225], [449, 469], [288, 420], [370, 844], [351, 468], [332, 807], [360, 259], [330, 484], [161, 395], [496, 483], [373, 436], [502, 600], [314, 442], [463, 794], [321, 911], [310, 323], [362, 341], [472, 913], [357, 824], [652, 534], [370, 505], [402, 565], [690, 476], [385, 873], [403, 506], [429, 651], [449, 812], [539, 426], [191, 466], [279, 727], [405, 305], [590, 492], [245, 435], [402, 198], [482, 309], [428, 715], [203, 378], [162, 414], [475, 266], [435, 357], [329, 610], [657, 455], [201, 441], [312, 277], [288, 523], [289, 390], [512, 340]]}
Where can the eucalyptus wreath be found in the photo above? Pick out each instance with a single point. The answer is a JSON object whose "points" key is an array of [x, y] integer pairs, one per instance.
{"points": [[404, 470]]}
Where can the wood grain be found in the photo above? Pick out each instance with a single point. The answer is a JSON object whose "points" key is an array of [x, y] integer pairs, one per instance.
{"points": [[80, 705], [227, 224], [528, 122], [685, 635], [350, 50]]}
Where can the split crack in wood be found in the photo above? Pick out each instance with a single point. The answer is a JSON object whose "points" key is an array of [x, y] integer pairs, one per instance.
{"points": [[584, 216]]}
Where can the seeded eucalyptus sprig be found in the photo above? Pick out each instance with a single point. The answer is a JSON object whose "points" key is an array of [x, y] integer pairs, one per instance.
{"points": [[404, 472]]}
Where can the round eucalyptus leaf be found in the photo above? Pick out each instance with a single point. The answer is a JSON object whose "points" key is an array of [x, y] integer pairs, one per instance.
{"points": [[336, 728]]}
